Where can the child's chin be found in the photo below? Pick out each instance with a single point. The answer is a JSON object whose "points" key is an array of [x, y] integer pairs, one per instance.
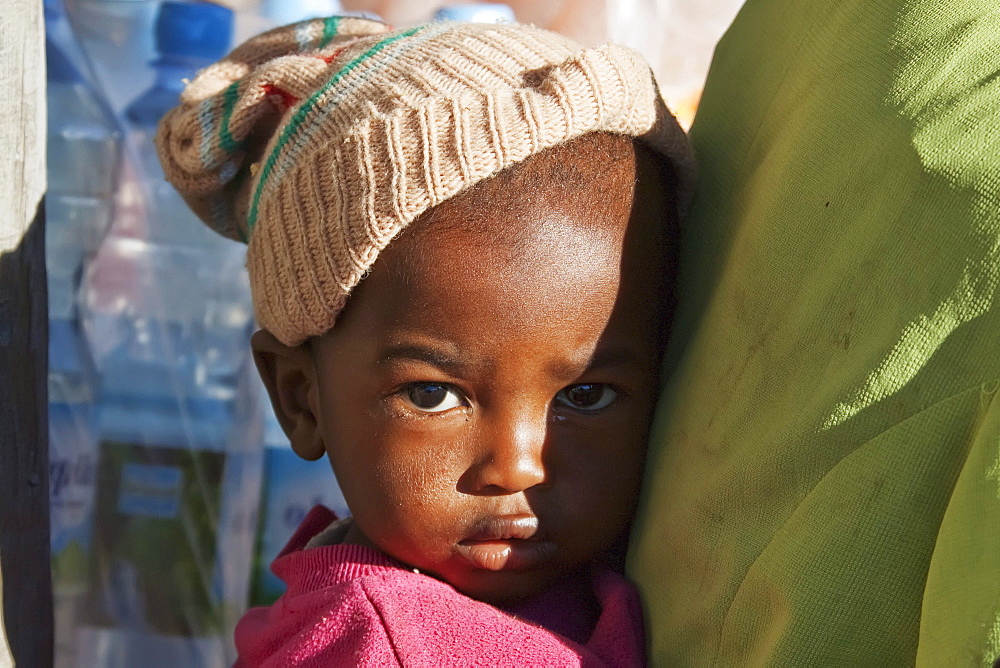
{"points": [[504, 587]]}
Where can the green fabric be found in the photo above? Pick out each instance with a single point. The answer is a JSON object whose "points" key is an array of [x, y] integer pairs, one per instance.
{"points": [[824, 484]]}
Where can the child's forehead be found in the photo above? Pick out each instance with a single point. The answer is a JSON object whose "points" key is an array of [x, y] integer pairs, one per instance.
{"points": [[518, 240], [540, 221], [527, 271], [589, 181]]}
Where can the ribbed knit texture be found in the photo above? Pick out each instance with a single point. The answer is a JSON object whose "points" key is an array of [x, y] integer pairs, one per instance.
{"points": [[319, 142]]}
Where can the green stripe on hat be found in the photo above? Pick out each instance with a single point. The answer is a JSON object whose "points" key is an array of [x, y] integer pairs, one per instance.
{"points": [[229, 99], [300, 115], [330, 27]]}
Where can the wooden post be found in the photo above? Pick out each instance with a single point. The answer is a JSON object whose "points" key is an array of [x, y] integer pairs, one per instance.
{"points": [[25, 581]]}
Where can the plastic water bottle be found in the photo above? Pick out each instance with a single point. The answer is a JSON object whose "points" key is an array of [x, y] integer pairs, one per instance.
{"points": [[177, 429], [84, 150], [188, 37], [177, 487], [155, 593], [290, 487], [83, 158], [118, 39]]}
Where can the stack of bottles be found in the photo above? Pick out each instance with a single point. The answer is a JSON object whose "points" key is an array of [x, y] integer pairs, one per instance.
{"points": [[84, 155], [156, 429], [169, 300]]}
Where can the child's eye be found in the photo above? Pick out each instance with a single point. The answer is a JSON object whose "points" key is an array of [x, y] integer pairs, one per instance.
{"points": [[587, 396], [432, 397]]}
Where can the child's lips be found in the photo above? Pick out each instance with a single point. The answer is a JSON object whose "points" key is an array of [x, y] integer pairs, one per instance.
{"points": [[506, 543]]}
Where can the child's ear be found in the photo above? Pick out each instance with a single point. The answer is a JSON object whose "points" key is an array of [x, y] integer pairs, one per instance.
{"points": [[290, 378]]}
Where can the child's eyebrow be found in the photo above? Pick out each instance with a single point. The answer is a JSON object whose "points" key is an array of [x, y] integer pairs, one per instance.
{"points": [[449, 361], [421, 353], [603, 358], [619, 356]]}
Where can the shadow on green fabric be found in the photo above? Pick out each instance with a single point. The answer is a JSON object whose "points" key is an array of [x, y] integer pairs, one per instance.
{"points": [[824, 476]]}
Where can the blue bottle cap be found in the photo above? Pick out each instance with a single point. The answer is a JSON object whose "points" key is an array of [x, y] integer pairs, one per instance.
{"points": [[200, 30], [476, 13], [282, 12]]}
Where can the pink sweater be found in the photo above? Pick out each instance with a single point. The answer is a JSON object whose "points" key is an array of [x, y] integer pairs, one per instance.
{"points": [[348, 605]]}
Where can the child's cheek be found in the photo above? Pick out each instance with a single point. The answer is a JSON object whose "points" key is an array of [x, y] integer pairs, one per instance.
{"points": [[418, 465], [418, 515]]}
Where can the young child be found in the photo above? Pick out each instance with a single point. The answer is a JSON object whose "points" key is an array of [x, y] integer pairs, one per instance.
{"points": [[460, 243]]}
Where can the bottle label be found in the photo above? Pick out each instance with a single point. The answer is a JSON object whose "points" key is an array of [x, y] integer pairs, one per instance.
{"points": [[72, 471], [150, 490], [154, 550]]}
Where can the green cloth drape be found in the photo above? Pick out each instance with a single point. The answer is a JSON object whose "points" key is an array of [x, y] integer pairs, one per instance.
{"points": [[824, 482]]}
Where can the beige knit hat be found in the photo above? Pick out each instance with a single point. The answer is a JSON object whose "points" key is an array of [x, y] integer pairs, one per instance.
{"points": [[320, 141]]}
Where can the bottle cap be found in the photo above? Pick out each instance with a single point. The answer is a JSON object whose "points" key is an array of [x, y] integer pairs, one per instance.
{"points": [[495, 12], [283, 12], [199, 30]]}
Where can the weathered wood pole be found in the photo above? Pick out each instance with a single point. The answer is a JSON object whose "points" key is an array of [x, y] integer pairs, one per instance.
{"points": [[25, 581]]}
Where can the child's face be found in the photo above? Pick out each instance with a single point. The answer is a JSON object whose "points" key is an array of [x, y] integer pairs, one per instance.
{"points": [[486, 396]]}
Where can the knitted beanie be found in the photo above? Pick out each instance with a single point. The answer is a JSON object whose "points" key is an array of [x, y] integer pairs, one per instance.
{"points": [[317, 143]]}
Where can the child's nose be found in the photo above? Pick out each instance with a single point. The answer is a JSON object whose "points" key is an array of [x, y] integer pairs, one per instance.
{"points": [[511, 459]]}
